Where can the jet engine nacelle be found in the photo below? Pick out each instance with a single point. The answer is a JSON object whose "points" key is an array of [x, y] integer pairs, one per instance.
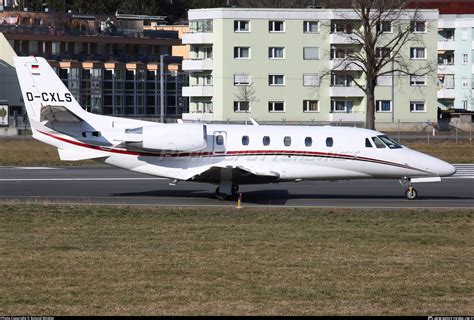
{"points": [[175, 137]]}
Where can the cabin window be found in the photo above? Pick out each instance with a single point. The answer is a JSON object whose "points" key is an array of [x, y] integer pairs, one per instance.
{"points": [[245, 140], [219, 140], [378, 143], [308, 141], [367, 143], [266, 141], [329, 142], [287, 141]]}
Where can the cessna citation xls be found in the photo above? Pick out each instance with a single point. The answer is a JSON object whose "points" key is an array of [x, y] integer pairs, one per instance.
{"points": [[226, 155]]}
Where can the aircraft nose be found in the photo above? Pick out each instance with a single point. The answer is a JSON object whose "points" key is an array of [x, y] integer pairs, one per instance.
{"points": [[446, 169], [441, 168]]}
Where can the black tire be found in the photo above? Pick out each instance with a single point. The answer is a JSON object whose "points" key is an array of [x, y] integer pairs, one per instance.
{"points": [[411, 194], [221, 196]]}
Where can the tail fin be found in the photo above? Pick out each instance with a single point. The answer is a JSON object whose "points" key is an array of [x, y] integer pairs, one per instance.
{"points": [[42, 89]]}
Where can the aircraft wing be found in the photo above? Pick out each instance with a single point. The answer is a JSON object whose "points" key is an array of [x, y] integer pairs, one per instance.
{"points": [[239, 174]]}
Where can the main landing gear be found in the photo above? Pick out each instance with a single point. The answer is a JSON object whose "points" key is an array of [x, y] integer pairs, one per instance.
{"points": [[410, 192], [227, 196]]}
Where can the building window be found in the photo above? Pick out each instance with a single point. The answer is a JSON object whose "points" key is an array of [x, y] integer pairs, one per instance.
{"points": [[341, 53], [242, 79], [200, 26], [417, 81], [241, 106], [384, 27], [310, 26], [276, 80], [287, 141], [341, 27], [308, 141], [464, 104], [310, 105], [242, 52], [241, 26], [245, 140], [417, 53], [329, 142], [266, 141], [311, 80], [276, 52], [384, 81], [341, 80], [382, 52], [418, 26], [417, 106], [276, 26], [311, 53], [383, 106], [465, 83], [341, 106], [465, 58], [276, 106]]}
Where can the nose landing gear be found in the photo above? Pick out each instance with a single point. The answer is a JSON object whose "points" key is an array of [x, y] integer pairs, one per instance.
{"points": [[410, 192]]}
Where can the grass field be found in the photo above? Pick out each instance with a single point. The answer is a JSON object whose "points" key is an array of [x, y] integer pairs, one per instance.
{"points": [[29, 152], [67, 260]]}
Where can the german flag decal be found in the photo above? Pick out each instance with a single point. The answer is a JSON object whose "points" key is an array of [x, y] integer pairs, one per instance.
{"points": [[35, 69]]}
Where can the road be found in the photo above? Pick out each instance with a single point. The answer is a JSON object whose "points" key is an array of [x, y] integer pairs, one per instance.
{"points": [[111, 186]]}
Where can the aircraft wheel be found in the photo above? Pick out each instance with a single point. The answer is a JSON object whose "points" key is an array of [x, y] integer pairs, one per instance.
{"points": [[221, 196], [411, 193]]}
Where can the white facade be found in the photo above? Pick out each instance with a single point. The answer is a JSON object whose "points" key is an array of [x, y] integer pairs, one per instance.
{"points": [[456, 61]]}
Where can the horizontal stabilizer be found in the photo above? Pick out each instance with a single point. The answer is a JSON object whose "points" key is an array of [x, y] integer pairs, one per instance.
{"points": [[72, 155]]}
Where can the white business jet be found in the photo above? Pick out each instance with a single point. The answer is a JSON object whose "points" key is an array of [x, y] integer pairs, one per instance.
{"points": [[222, 154]]}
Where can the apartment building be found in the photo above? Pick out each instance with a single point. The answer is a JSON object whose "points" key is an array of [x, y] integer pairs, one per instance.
{"points": [[284, 65], [456, 61], [111, 64]]}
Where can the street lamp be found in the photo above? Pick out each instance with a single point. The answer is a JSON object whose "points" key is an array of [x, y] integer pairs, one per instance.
{"points": [[162, 89]]}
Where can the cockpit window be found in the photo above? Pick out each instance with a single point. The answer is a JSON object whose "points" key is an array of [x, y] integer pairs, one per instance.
{"points": [[378, 143], [392, 144], [367, 143]]}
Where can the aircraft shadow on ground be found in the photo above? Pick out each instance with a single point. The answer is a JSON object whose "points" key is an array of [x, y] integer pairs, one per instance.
{"points": [[280, 197]]}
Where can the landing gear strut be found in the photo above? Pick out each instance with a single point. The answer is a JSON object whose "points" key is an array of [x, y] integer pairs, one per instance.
{"points": [[410, 192], [226, 196]]}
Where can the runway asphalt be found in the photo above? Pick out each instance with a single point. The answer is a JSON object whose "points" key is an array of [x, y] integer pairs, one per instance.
{"points": [[112, 186]]}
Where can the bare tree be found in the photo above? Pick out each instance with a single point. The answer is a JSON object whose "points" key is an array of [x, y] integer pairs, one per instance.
{"points": [[381, 51], [246, 95]]}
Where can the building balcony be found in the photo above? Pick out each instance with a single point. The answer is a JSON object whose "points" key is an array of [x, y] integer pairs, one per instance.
{"points": [[444, 93], [446, 45], [197, 64], [341, 64], [446, 68], [342, 38], [197, 38], [356, 116], [198, 91], [346, 92]]}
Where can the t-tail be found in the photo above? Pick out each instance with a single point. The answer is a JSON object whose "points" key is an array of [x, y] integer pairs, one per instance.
{"points": [[44, 93], [56, 117]]}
